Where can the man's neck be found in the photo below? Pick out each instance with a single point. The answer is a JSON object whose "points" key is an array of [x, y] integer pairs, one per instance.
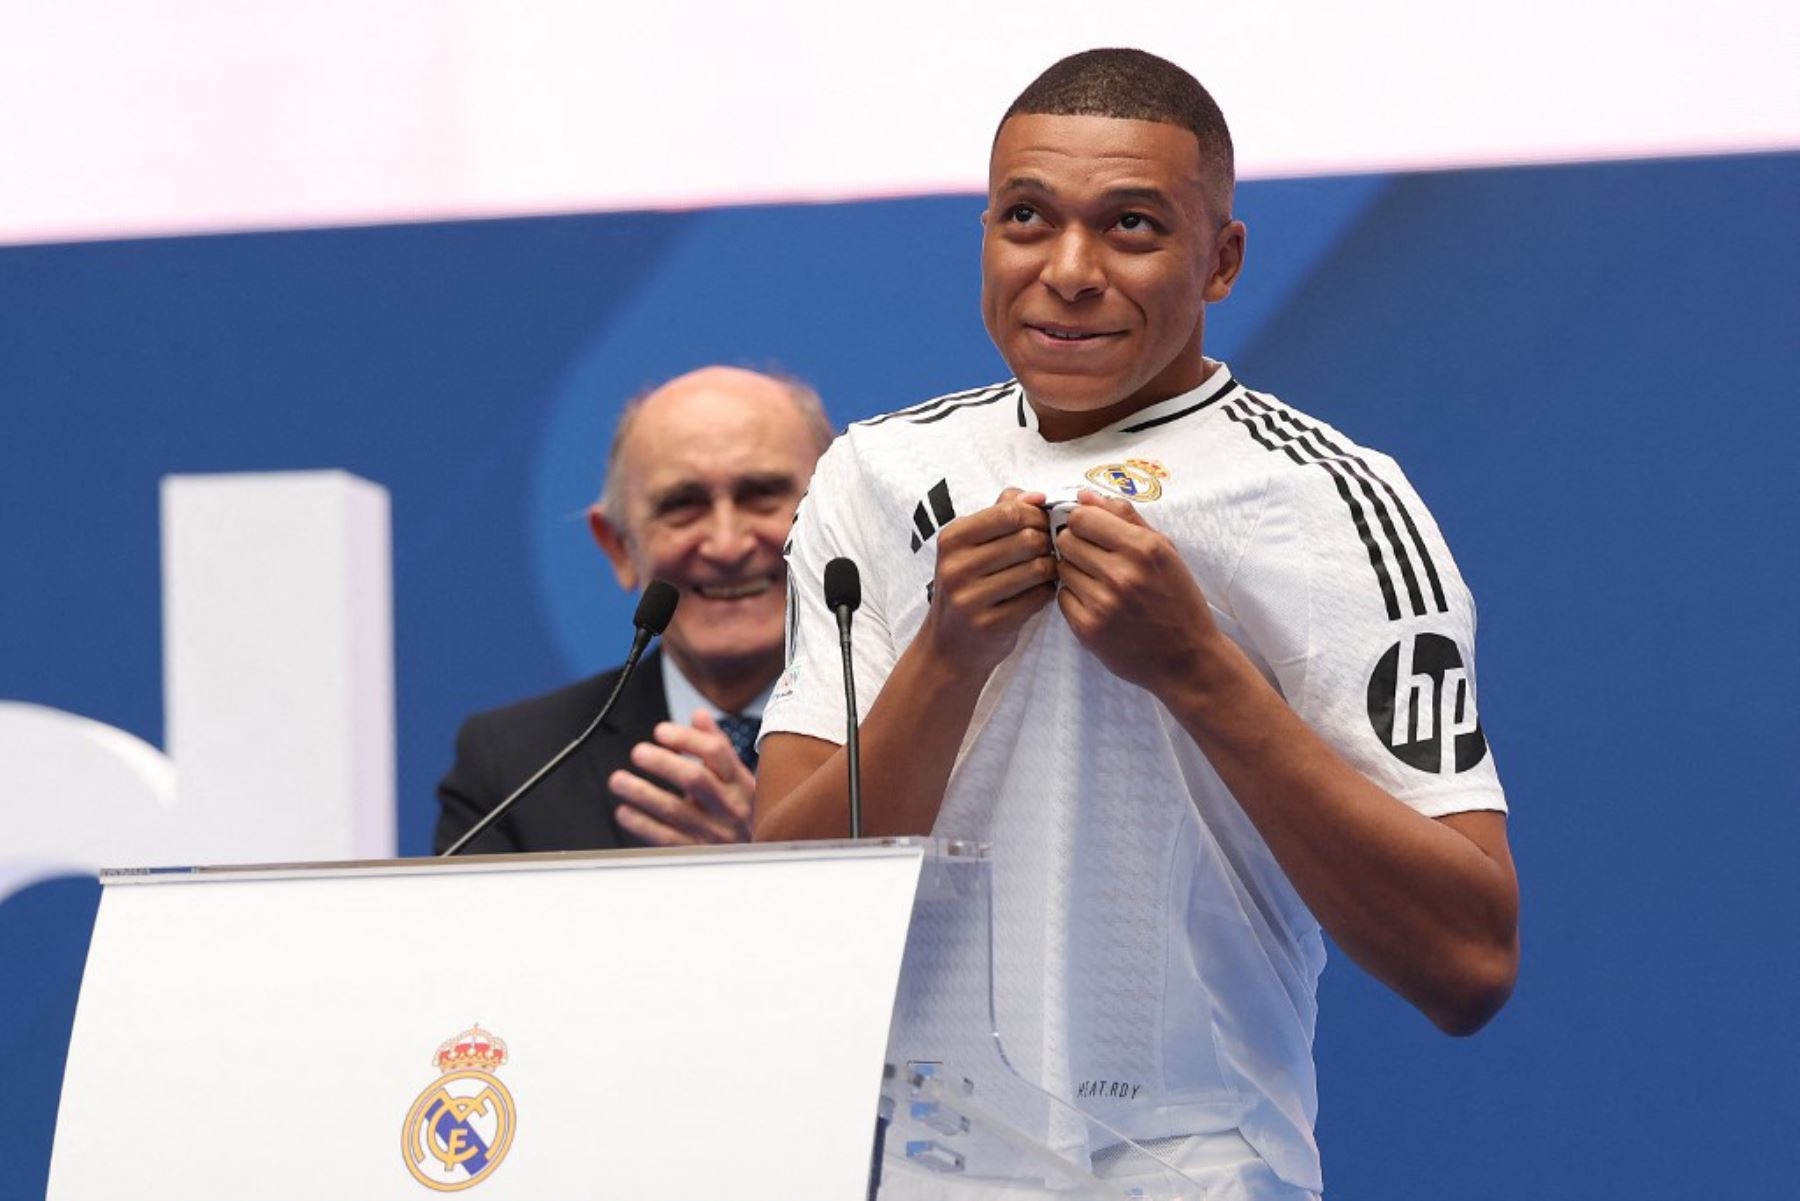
{"points": [[1057, 426], [728, 691]]}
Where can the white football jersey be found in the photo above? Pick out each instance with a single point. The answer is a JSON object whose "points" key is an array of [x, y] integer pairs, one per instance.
{"points": [[1153, 964]]}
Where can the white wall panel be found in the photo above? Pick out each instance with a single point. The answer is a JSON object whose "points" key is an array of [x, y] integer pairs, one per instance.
{"points": [[186, 115]]}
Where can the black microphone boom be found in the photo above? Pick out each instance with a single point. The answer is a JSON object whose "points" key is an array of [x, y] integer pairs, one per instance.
{"points": [[654, 610], [843, 594]]}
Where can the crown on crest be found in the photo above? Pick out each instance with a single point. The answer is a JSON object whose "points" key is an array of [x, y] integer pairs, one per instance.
{"points": [[473, 1048], [1149, 467]]}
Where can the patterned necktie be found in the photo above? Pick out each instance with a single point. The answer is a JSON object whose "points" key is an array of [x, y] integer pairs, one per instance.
{"points": [[742, 732]]}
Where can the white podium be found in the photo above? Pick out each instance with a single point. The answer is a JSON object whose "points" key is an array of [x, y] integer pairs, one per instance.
{"points": [[710, 1024]]}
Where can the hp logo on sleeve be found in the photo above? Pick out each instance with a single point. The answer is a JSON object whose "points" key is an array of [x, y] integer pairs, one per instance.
{"points": [[1422, 705]]}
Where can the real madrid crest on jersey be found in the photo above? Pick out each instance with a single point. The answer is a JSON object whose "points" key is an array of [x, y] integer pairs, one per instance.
{"points": [[461, 1126], [1135, 479]]}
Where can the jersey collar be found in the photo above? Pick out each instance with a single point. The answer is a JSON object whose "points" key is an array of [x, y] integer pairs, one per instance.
{"points": [[1211, 389]]}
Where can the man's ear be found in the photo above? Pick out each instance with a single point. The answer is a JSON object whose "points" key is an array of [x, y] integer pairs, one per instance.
{"points": [[612, 543], [1228, 260]]}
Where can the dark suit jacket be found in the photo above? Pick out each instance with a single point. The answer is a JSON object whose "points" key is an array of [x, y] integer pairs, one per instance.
{"points": [[572, 809]]}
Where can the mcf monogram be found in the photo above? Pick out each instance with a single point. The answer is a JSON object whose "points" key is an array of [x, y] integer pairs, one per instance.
{"points": [[461, 1126]]}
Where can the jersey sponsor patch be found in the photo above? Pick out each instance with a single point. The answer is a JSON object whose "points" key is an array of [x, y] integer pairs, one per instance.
{"points": [[1422, 705], [784, 685]]}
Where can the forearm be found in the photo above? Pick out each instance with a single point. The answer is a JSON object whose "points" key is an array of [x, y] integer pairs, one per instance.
{"points": [[908, 746], [1422, 904]]}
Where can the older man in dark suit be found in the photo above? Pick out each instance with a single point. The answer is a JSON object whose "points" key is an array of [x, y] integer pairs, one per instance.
{"points": [[702, 480]]}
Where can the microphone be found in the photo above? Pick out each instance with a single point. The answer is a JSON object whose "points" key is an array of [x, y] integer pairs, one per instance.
{"points": [[843, 596], [654, 609]]}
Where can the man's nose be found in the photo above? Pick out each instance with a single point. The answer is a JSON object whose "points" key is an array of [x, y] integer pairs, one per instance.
{"points": [[730, 532], [1073, 269]]}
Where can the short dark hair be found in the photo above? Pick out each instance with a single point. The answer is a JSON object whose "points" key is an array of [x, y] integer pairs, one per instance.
{"points": [[1134, 85]]}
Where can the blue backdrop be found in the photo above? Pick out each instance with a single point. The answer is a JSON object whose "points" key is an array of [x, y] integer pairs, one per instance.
{"points": [[1588, 372]]}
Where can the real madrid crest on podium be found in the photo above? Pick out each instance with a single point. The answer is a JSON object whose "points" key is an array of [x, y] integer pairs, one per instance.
{"points": [[461, 1126]]}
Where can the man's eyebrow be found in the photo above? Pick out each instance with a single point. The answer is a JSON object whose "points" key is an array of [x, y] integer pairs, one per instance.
{"points": [[766, 480], [678, 492], [684, 491], [1026, 183], [1142, 193], [1145, 193]]}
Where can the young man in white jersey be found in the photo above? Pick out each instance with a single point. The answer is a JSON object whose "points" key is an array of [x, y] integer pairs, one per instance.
{"points": [[1231, 703]]}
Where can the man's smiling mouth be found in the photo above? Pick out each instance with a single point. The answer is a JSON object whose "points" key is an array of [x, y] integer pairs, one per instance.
{"points": [[739, 591], [1065, 333]]}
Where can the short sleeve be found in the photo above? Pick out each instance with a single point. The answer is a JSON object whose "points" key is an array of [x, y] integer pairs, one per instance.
{"points": [[1349, 592], [809, 695]]}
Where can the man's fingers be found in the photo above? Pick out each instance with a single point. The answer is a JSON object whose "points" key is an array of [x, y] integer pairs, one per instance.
{"points": [[1107, 522], [1008, 582], [1010, 514], [683, 772], [1081, 589], [1113, 565], [1016, 609], [675, 812], [704, 790], [660, 833], [665, 806], [716, 793], [705, 741], [1078, 577], [1118, 506], [731, 792], [1087, 553], [645, 828], [994, 556]]}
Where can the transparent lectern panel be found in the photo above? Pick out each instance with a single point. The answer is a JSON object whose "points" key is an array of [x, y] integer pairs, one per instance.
{"points": [[962, 1118]]}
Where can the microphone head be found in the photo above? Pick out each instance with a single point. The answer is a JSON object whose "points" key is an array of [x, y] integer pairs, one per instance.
{"points": [[843, 585], [656, 606]]}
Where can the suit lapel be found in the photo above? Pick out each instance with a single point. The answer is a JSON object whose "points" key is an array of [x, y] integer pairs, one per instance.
{"points": [[633, 720]]}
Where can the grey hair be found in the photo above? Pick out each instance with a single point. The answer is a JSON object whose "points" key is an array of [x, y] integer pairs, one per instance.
{"points": [[806, 400]]}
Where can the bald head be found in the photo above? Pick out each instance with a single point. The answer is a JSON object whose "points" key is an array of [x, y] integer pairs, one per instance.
{"points": [[730, 384]]}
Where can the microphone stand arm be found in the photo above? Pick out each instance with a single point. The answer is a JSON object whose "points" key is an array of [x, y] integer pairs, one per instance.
{"points": [[850, 738], [639, 641]]}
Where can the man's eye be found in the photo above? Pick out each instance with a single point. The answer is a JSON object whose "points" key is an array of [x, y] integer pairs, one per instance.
{"points": [[1133, 222], [1021, 214], [766, 502], [676, 512]]}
